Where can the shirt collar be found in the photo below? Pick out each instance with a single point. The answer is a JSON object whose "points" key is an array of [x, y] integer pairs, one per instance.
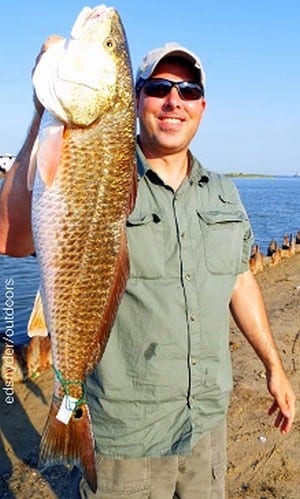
{"points": [[198, 174]]}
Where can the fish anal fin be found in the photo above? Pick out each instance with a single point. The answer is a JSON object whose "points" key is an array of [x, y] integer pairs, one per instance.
{"points": [[71, 443], [36, 325], [49, 153]]}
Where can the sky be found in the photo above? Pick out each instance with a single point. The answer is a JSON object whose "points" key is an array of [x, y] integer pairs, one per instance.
{"points": [[250, 51]]}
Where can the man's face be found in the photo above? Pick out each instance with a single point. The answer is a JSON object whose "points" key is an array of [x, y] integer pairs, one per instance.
{"points": [[168, 124]]}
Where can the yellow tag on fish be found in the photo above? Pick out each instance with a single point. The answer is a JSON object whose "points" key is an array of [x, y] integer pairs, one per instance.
{"points": [[66, 409]]}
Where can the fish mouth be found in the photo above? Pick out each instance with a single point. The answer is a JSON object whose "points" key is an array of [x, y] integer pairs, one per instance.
{"points": [[88, 17]]}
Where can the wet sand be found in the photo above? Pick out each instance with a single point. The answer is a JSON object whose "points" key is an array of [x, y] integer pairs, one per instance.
{"points": [[262, 464]]}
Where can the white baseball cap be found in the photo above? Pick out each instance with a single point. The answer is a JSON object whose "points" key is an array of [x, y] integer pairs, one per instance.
{"points": [[153, 58]]}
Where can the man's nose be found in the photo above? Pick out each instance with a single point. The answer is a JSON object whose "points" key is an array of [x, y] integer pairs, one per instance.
{"points": [[173, 98]]}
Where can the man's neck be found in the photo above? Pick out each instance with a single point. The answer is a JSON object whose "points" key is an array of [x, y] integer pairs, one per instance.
{"points": [[172, 169]]}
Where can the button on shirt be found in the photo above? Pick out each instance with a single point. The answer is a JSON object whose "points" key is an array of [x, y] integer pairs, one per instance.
{"points": [[165, 376]]}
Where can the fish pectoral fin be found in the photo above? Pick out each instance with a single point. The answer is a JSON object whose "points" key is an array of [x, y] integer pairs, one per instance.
{"points": [[32, 165], [49, 153], [37, 325], [71, 443]]}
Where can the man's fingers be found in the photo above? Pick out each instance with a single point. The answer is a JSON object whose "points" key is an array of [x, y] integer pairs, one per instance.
{"points": [[273, 408], [284, 418], [47, 43], [279, 418], [50, 41]]}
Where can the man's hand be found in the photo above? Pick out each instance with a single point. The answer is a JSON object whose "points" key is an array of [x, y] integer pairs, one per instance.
{"points": [[284, 401], [15, 199], [248, 309]]}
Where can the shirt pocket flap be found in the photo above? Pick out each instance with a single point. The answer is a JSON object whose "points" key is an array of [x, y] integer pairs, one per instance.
{"points": [[134, 221], [221, 217]]}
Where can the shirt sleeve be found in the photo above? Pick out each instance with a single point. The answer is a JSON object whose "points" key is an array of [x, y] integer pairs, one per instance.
{"points": [[248, 236], [247, 232]]}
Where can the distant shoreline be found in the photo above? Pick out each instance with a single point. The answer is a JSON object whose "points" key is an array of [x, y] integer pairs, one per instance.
{"points": [[248, 175], [231, 175], [258, 175]]}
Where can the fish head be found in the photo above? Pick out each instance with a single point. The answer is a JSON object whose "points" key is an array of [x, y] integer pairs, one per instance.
{"points": [[80, 78]]}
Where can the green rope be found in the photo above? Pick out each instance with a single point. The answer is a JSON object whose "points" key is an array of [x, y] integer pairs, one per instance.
{"points": [[65, 384]]}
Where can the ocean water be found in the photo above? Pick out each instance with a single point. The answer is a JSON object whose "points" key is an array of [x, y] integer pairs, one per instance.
{"points": [[273, 205], [19, 281]]}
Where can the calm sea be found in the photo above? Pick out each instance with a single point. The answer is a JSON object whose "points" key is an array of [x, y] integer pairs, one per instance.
{"points": [[273, 205]]}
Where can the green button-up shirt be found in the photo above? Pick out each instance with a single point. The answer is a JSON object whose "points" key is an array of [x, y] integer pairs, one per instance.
{"points": [[165, 377]]}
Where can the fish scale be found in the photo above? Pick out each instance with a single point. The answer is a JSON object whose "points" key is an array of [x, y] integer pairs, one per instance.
{"points": [[78, 214], [72, 257]]}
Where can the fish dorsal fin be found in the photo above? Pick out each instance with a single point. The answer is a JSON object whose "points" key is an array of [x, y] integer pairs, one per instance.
{"points": [[49, 149]]}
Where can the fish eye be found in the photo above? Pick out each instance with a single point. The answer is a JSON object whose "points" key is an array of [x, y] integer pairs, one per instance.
{"points": [[109, 43]]}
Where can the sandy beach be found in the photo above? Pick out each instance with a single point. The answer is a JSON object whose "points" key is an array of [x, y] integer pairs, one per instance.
{"points": [[262, 464]]}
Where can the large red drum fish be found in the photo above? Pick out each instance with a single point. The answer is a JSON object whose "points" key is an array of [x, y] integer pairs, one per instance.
{"points": [[83, 190]]}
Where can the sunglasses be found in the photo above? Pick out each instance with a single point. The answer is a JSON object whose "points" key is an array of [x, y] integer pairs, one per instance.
{"points": [[160, 87]]}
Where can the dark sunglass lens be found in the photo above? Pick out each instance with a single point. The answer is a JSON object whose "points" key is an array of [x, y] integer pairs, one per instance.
{"points": [[190, 91], [157, 88]]}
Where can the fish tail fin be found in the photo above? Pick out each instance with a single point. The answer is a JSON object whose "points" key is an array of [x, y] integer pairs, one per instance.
{"points": [[36, 325], [71, 443]]}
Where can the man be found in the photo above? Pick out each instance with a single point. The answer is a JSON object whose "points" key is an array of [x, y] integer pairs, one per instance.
{"points": [[160, 395]]}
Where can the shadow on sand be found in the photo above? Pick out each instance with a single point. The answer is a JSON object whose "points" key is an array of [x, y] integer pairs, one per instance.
{"points": [[18, 433]]}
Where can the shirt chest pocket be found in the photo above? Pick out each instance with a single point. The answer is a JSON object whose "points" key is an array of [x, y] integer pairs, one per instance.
{"points": [[146, 246], [222, 235]]}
